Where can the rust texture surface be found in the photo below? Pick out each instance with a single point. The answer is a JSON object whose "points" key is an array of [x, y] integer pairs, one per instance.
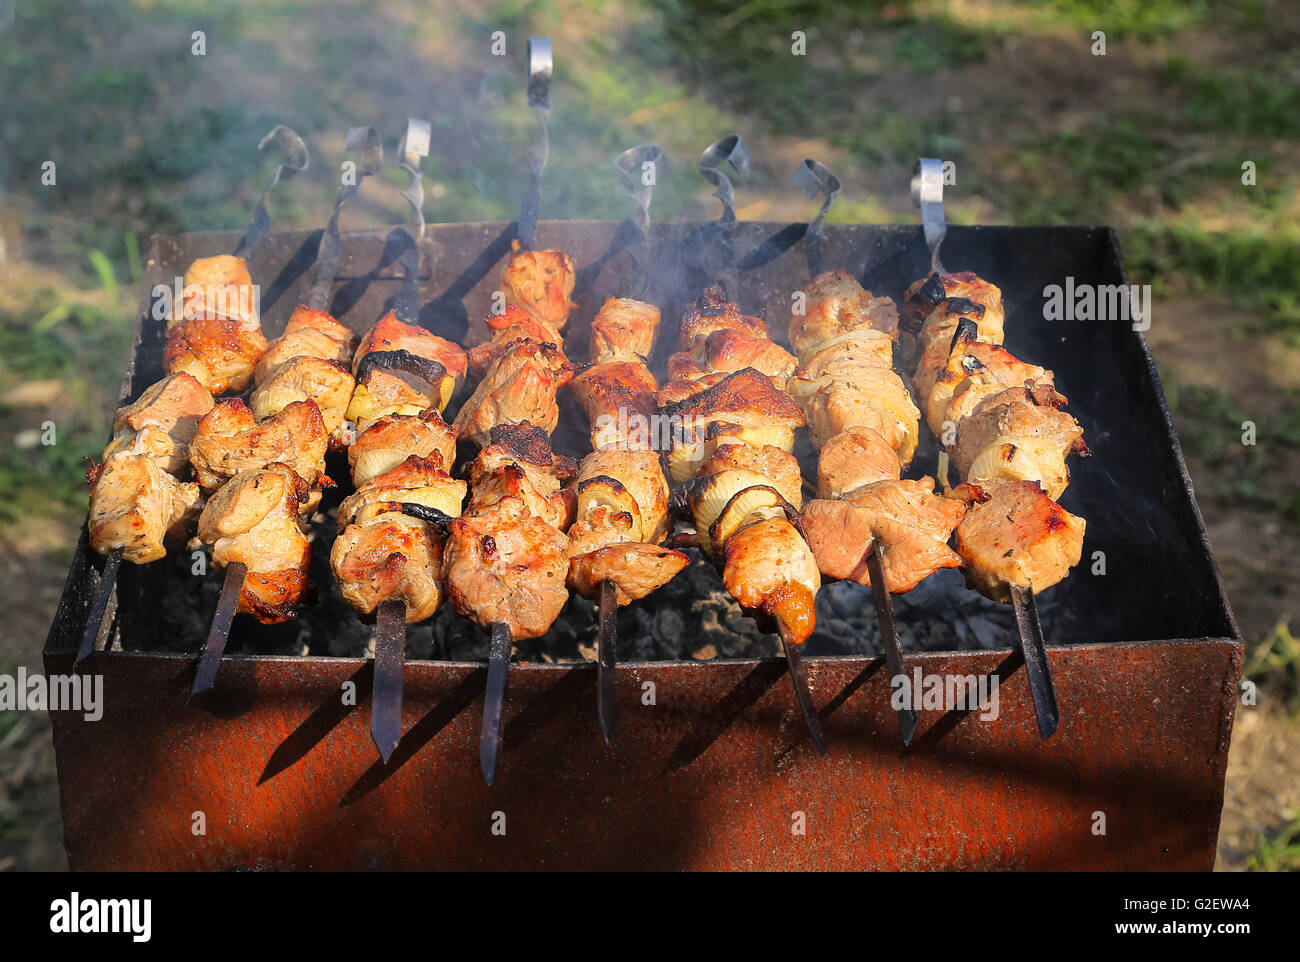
{"points": [[713, 775]]}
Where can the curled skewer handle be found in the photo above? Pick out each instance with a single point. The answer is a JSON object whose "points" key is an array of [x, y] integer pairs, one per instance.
{"points": [[366, 140], [927, 194], [295, 160], [215, 647], [414, 145], [541, 64], [802, 696], [889, 634], [99, 605], [1034, 648], [607, 660], [494, 699], [813, 178], [386, 697], [732, 150]]}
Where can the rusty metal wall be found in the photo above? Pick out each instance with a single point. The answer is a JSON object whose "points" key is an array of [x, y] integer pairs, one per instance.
{"points": [[709, 777]]}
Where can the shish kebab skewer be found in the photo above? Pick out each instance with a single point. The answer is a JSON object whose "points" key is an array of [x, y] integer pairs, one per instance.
{"points": [[1011, 442], [266, 463], [743, 489], [845, 336], [865, 427], [388, 553], [616, 555], [212, 342], [506, 558]]}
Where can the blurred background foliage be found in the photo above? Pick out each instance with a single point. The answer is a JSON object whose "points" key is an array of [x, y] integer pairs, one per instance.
{"points": [[148, 137]]}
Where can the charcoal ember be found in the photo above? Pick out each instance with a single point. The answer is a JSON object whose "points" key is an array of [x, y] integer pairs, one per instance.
{"points": [[740, 624], [669, 627]]}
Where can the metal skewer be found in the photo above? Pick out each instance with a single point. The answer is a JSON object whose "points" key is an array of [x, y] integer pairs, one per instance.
{"points": [[386, 696], [607, 661], [296, 160], [927, 194], [540, 66], [206, 676], [889, 633], [1034, 649], [799, 678], [99, 606], [494, 700]]}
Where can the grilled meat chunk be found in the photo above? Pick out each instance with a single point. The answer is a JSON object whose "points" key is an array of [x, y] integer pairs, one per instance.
{"points": [[161, 422], [1019, 434], [505, 564], [636, 569], [780, 468], [229, 441], [618, 398], [325, 382], [744, 407], [770, 569], [390, 557], [711, 312], [309, 333], [965, 294], [540, 283], [910, 522], [254, 519], [623, 330], [879, 404], [135, 505], [836, 304], [219, 354], [520, 386], [416, 480], [389, 441], [513, 325], [853, 458], [1014, 534], [219, 287], [729, 351]]}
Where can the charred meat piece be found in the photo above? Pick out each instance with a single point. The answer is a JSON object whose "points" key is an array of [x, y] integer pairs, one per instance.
{"points": [[744, 407], [969, 368], [254, 519], [540, 283], [309, 333], [836, 304], [729, 351], [1014, 534], [390, 334], [219, 354], [506, 565], [711, 312], [623, 330], [974, 297], [416, 480], [520, 386], [230, 441], [389, 441], [507, 328], [136, 506], [518, 462]]}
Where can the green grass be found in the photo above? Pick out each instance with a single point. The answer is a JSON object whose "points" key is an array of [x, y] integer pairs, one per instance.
{"points": [[1278, 852], [1273, 663]]}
